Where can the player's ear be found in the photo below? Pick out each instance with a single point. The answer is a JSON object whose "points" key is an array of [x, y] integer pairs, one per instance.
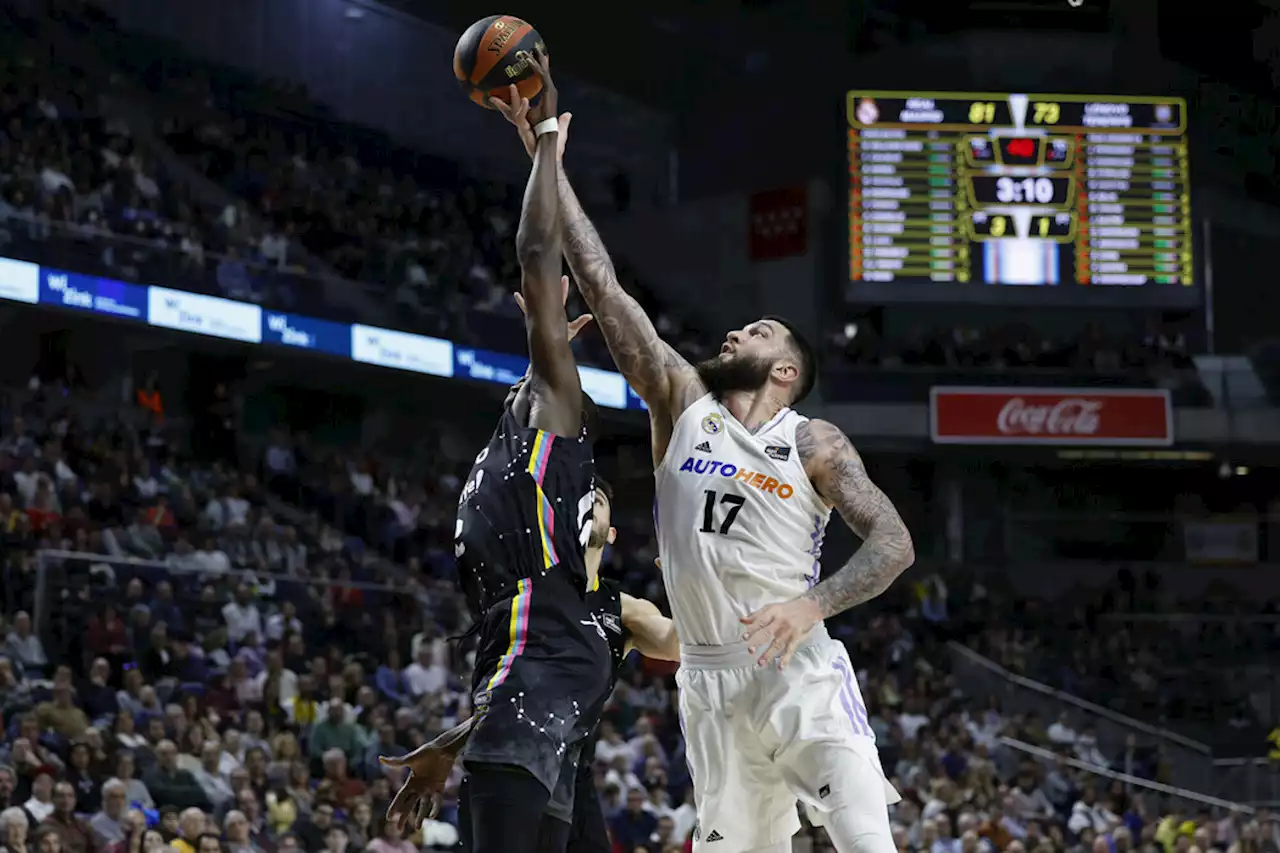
{"points": [[785, 372], [613, 534]]}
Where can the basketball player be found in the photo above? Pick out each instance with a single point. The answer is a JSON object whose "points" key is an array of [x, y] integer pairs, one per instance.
{"points": [[745, 486], [628, 623], [543, 671]]}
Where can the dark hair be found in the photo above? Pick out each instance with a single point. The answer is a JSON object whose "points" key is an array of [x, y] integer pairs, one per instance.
{"points": [[808, 357], [602, 485]]}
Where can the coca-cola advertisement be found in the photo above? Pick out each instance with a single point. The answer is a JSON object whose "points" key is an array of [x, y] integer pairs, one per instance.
{"points": [[1133, 417]]}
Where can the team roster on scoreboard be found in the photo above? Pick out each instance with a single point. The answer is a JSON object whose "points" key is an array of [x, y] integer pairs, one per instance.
{"points": [[1019, 191]]}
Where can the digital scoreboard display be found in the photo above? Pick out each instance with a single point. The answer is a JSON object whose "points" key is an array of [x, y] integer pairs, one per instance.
{"points": [[994, 196]]}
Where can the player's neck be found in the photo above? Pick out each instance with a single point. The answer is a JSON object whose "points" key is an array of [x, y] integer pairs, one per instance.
{"points": [[753, 409], [593, 558]]}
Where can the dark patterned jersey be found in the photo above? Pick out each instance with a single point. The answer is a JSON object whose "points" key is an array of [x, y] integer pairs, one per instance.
{"points": [[605, 603], [524, 512]]}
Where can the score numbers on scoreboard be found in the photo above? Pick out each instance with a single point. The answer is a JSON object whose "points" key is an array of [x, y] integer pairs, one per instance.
{"points": [[1018, 189]]}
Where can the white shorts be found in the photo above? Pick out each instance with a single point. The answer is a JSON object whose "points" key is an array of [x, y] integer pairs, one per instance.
{"points": [[759, 739]]}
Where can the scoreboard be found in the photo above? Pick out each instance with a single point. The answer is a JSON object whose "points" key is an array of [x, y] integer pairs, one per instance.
{"points": [[962, 195]]}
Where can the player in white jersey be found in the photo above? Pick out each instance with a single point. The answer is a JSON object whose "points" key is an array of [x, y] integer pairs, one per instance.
{"points": [[771, 710]]}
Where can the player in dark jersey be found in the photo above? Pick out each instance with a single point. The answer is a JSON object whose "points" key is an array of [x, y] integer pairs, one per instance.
{"points": [[625, 623], [542, 671]]}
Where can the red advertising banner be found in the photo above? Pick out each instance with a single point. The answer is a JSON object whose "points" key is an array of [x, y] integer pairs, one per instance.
{"points": [[1133, 417], [779, 223]]}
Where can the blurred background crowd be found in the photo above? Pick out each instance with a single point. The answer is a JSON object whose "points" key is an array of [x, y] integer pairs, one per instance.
{"points": [[219, 606]]}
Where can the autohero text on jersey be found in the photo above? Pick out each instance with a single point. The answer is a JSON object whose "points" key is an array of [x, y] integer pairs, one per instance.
{"points": [[754, 479]]}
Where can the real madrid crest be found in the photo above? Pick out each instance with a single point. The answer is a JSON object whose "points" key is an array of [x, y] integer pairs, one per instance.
{"points": [[713, 423]]}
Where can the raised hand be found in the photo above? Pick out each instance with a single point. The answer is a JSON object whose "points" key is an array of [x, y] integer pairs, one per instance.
{"points": [[577, 324], [518, 111]]}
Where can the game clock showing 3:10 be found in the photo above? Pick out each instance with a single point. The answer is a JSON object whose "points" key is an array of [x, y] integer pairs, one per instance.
{"points": [[1000, 197]]}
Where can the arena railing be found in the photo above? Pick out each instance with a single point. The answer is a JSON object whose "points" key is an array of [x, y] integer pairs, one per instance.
{"points": [[1184, 799], [1191, 761], [1253, 780], [1249, 777]]}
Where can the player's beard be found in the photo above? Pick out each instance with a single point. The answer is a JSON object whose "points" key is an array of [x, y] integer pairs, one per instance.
{"points": [[598, 538], [736, 373]]}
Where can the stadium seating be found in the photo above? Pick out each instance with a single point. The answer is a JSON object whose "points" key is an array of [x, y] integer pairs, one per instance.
{"points": [[163, 635]]}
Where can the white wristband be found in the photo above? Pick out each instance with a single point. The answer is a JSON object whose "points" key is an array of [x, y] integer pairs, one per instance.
{"points": [[547, 125]]}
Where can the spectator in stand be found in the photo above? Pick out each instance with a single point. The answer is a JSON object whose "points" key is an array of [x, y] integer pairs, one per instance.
{"points": [[25, 647], [424, 676], [14, 829], [109, 825]]}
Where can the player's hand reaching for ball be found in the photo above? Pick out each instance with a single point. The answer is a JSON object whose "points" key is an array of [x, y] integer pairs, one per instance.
{"points": [[524, 116], [776, 631], [577, 324]]}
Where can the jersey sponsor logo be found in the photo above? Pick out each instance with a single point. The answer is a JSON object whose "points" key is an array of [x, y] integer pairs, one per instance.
{"points": [[595, 623], [705, 447], [754, 479], [779, 452], [611, 622], [713, 423]]}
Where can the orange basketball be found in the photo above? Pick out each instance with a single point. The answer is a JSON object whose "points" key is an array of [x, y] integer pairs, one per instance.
{"points": [[491, 55]]}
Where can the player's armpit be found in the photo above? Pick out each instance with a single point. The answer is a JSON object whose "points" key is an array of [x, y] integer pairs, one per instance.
{"points": [[836, 471], [553, 370], [652, 634], [659, 374]]}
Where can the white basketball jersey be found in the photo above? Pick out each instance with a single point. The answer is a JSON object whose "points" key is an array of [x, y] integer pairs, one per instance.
{"points": [[739, 524]]}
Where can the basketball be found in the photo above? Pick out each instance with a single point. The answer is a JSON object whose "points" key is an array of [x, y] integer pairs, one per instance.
{"points": [[490, 56]]}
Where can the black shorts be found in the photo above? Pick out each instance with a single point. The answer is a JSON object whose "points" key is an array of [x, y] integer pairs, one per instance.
{"points": [[542, 677], [588, 833]]}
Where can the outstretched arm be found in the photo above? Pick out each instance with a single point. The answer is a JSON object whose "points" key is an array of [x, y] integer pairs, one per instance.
{"points": [[553, 372], [837, 472], [662, 378], [652, 634], [658, 373]]}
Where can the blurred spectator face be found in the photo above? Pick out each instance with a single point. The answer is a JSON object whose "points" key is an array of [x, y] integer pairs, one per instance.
{"points": [[337, 710], [191, 823], [166, 755], [255, 761], [51, 842], [210, 757], [239, 779], [169, 822], [113, 801], [322, 816], [64, 799], [236, 827], [152, 841], [335, 840], [969, 842], [208, 845], [335, 764], [7, 784], [100, 672], [42, 788], [288, 844], [635, 801], [62, 695], [248, 803]]}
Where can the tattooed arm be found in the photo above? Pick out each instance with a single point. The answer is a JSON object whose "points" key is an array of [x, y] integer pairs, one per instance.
{"points": [[659, 374], [838, 474]]}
